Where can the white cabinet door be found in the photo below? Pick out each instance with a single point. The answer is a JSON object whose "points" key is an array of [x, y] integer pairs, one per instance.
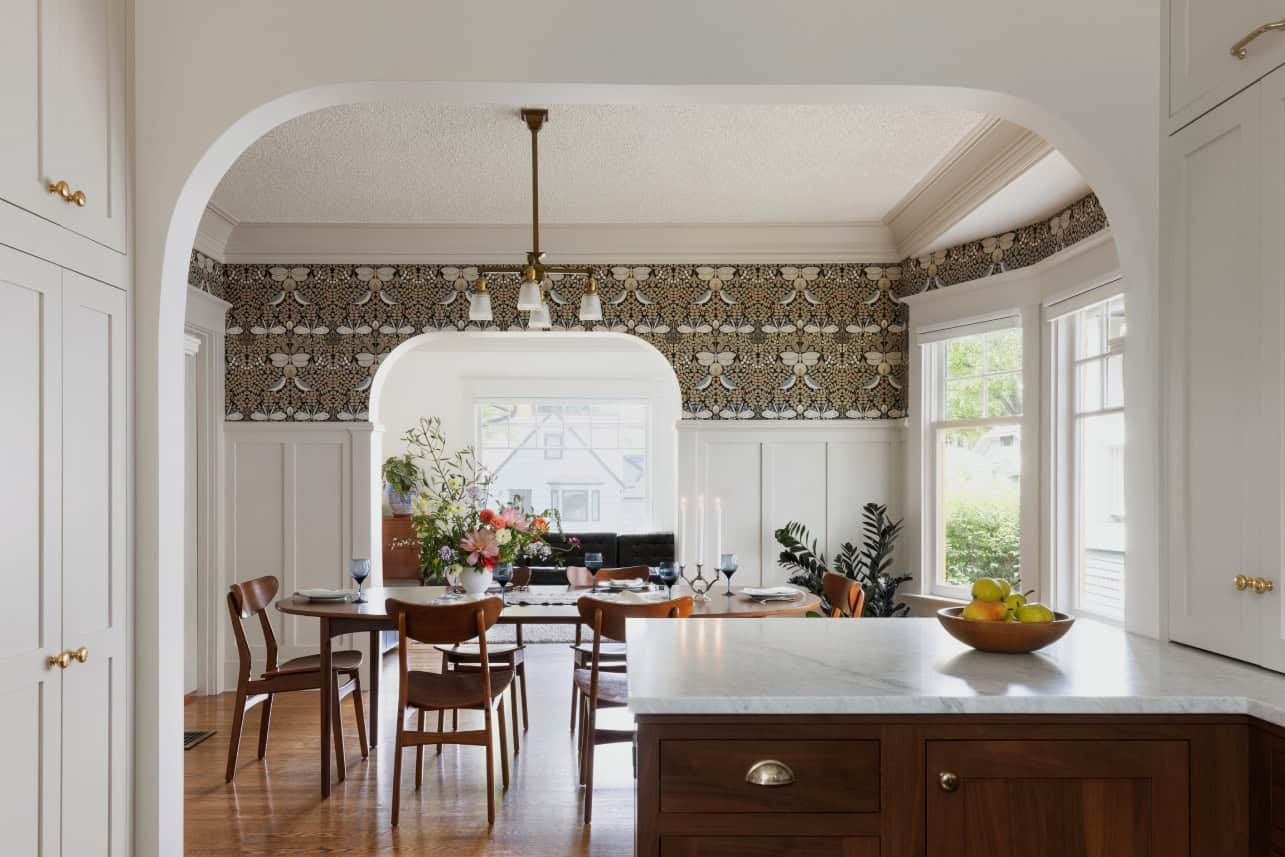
{"points": [[62, 96], [1202, 70], [1214, 301], [94, 592], [30, 690]]}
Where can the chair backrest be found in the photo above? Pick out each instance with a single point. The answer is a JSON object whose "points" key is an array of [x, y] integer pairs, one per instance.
{"points": [[521, 575], [607, 618], [579, 576], [633, 572], [444, 623], [844, 595], [246, 600]]}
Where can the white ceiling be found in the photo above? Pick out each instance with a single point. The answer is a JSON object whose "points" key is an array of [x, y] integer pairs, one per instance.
{"points": [[401, 163]]}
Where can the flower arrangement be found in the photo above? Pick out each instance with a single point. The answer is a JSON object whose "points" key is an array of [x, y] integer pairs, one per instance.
{"points": [[457, 530]]}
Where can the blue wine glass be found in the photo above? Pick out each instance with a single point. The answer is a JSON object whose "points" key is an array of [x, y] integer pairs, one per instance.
{"points": [[667, 571], [727, 565], [502, 573], [360, 570]]}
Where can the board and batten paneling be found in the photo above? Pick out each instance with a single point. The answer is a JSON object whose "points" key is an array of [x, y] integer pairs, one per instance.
{"points": [[768, 473], [293, 512]]}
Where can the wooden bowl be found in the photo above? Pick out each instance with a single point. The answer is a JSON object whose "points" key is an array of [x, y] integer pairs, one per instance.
{"points": [[1005, 637]]}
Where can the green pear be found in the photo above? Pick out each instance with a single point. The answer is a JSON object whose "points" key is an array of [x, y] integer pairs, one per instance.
{"points": [[1015, 601], [988, 589], [1034, 612]]}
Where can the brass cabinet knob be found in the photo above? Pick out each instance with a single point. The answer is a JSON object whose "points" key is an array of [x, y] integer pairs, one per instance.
{"points": [[1262, 585], [949, 781], [81, 654], [1241, 582], [769, 772], [61, 188], [61, 660]]}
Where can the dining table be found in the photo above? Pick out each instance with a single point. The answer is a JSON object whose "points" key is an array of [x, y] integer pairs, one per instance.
{"points": [[532, 605]]}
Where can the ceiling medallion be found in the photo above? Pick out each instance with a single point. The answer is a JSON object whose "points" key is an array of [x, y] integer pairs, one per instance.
{"points": [[531, 297]]}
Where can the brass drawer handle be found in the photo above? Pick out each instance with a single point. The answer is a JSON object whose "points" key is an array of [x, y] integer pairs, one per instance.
{"points": [[770, 773], [62, 660], [949, 781], [1262, 585], [1240, 50], [1241, 582], [64, 190]]}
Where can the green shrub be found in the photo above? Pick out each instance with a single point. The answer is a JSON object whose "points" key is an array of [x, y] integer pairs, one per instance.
{"points": [[983, 538]]}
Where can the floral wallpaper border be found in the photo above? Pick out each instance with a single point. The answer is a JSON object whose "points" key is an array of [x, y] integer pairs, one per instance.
{"points": [[824, 341]]}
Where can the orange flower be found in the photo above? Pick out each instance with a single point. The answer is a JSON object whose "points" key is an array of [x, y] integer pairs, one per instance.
{"points": [[539, 525], [486, 516]]}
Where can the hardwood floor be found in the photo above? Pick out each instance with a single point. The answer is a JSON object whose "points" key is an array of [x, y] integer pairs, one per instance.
{"points": [[275, 806]]}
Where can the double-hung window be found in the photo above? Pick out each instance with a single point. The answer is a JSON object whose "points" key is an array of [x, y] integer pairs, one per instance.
{"points": [[974, 454]]}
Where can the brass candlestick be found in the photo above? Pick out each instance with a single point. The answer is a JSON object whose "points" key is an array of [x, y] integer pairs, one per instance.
{"points": [[700, 586]]}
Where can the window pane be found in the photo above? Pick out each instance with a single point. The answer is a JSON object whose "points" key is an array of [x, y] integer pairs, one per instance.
{"points": [[1090, 386], [1115, 321], [980, 483], [575, 506], [1101, 532], [964, 356], [1091, 343], [1115, 381], [964, 399], [1004, 396], [1004, 350]]}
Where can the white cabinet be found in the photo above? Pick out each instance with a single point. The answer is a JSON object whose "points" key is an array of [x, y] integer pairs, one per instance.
{"points": [[1224, 187], [63, 535], [62, 96], [1202, 70]]}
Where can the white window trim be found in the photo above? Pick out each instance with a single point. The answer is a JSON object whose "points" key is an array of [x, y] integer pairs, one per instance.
{"points": [[1029, 294]]}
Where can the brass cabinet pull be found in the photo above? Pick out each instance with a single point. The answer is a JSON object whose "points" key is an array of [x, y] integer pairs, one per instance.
{"points": [[949, 781], [1262, 585], [81, 654], [62, 660], [1241, 582], [770, 773], [1240, 50], [64, 190]]}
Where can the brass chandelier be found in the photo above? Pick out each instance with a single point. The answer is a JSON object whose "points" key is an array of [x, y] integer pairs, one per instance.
{"points": [[532, 297]]}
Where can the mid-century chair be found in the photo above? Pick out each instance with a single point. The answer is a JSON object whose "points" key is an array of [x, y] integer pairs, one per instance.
{"points": [[597, 686], [251, 598], [422, 692], [611, 652], [844, 595]]}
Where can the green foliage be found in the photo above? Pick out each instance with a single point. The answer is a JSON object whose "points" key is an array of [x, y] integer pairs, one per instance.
{"points": [[983, 538], [869, 565], [402, 474]]}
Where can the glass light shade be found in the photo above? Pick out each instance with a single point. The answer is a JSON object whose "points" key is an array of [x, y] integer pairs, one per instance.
{"points": [[590, 307], [529, 297], [539, 319], [479, 306]]}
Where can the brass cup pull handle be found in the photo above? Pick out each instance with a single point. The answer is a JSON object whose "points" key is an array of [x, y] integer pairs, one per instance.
{"points": [[1240, 50], [770, 773], [1262, 585], [948, 780], [62, 189], [62, 660], [1241, 582]]}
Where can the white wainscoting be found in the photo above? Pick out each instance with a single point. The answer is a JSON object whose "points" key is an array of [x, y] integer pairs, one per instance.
{"points": [[299, 504], [768, 473]]}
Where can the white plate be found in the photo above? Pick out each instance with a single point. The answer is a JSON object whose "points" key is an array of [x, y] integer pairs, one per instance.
{"points": [[770, 592], [626, 584], [324, 594]]}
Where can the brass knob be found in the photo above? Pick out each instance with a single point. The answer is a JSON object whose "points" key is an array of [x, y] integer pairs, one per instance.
{"points": [[770, 773], [949, 781], [1241, 582], [61, 660], [1262, 585], [78, 198], [61, 188], [81, 654]]}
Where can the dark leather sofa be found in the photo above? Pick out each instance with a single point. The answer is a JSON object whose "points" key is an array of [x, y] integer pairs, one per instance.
{"points": [[618, 550]]}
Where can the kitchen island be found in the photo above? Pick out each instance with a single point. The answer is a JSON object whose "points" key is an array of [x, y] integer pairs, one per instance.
{"points": [[888, 738]]}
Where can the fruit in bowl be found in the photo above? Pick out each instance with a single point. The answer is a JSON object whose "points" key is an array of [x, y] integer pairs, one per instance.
{"points": [[1000, 620]]}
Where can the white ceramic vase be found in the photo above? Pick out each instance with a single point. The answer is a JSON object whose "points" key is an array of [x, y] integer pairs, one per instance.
{"points": [[476, 582]]}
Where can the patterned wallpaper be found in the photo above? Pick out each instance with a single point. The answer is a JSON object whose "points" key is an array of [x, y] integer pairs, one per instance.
{"points": [[823, 341]]}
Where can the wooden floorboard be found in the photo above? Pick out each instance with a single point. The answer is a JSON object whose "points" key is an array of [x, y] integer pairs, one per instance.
{"points": [[275, 806]]}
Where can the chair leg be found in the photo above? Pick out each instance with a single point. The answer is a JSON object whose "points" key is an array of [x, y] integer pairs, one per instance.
{"points": [[526, 716], [360, 708], [455, 720], [504, 748], [441, 724], [265, 721], [397, 764], [234, 738], [419, 755], [337, 727], [513, 692], [590, 725], [584, 736], [490, 769]]}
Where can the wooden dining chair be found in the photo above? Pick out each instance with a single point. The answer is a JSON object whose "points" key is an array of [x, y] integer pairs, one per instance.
{"points": [[612, 652], [247, 600], [421, 692], [599, 687], [844, 595]]}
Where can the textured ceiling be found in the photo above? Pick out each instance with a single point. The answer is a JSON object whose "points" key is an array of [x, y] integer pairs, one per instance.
{"points": [[417, 163]]}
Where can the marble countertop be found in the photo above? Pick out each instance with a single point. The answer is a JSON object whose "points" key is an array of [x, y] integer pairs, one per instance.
{"points": [[912, 666]]}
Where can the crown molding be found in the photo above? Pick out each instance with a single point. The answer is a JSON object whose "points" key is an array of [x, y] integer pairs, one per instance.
{"points": [[363, 243], [980, 165], [213, 233]]}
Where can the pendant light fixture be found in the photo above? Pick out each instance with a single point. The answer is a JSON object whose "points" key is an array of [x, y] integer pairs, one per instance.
{"points": [[535, 272], [479, 302], [539, 318]]}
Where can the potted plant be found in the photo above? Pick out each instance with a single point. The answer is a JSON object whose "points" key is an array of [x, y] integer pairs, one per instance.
{"points": [[402, 481]]}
